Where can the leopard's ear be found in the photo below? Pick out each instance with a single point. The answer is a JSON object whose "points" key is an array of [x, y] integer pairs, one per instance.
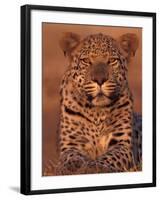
{"points": [[129, 43], [69, 42]]}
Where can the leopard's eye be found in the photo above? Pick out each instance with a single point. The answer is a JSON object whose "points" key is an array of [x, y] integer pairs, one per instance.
{"points": [[112, 61], [86, 60]]}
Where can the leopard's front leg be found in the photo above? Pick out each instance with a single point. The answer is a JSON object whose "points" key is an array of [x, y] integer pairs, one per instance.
{"points": [[71, 162], [119, 158]]}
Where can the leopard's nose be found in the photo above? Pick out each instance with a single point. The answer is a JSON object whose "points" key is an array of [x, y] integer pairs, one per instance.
{"points": [[99, 79], [99, 73]]}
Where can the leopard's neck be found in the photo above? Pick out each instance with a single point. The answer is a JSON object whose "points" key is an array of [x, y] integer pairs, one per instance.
{"points": [[97, 115]]}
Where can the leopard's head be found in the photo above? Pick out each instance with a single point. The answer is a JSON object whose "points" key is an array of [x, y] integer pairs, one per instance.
{"points": [[99, 65]]}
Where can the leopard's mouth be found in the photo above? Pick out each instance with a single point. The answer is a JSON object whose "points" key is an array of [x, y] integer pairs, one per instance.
{"points": [[101, 95], [101, 100]]}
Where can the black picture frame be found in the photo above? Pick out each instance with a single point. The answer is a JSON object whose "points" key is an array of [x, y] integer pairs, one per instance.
{"points": [[26, 98]]}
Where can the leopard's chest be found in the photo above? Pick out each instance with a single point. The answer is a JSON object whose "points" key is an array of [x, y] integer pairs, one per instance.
{"points": [[98, 140]]}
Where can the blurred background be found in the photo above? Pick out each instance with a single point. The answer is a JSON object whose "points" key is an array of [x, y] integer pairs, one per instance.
{"points": [[54, 66]]}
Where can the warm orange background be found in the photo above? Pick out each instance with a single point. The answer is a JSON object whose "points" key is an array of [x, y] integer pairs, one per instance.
{"points": [[55, 64]]}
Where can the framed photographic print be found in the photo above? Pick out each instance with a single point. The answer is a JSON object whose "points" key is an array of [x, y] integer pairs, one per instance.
{"points": [[88, 99]]}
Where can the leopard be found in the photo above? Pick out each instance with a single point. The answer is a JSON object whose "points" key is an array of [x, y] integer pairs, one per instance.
{"points": [[99, 132]]}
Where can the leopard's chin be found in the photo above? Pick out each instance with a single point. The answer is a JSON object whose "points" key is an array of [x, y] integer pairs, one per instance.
{"points": [[101, 101]]}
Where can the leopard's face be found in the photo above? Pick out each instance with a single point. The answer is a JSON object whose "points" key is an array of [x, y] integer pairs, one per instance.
{"points": [[99, 69]]}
